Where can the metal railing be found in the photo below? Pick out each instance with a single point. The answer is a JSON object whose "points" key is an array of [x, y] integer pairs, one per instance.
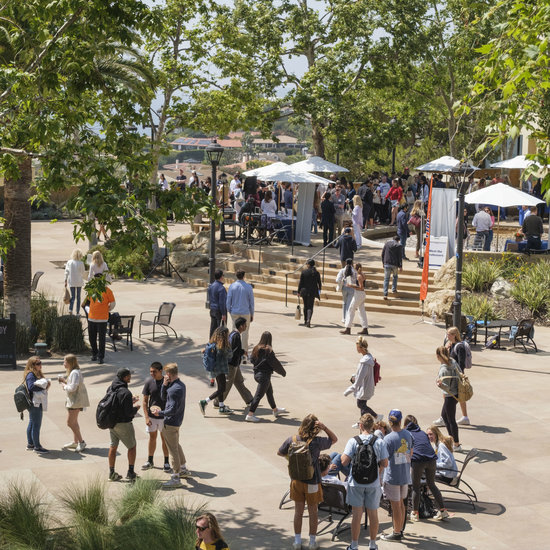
{"points": [[323, 250]]}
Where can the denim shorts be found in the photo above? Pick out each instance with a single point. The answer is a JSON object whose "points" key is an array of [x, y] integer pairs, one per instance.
{"points": [[364, 496]]}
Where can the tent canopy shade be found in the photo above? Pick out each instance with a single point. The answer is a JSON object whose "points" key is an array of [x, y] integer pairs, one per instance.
{"points": [[501, 195], [258, 172], [446, 164], [519, 162], [318, 164]]}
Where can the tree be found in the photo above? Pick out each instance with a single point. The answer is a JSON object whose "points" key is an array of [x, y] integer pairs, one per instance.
{"points": [[512, 77], [258, 43]]}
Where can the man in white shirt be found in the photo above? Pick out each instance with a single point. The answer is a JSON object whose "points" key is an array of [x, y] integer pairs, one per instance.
{"points": [[234, 181], [483, 223]]}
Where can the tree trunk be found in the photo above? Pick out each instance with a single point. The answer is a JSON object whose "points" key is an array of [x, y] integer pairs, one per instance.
{"points": [[318, 140], [17, 270]]}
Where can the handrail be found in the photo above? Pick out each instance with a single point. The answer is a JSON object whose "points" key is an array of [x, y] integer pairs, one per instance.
{"points": [[323, 250]]}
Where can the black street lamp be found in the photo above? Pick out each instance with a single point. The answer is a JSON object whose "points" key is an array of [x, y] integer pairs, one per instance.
{"points": [[214, 153], [393, 122]]}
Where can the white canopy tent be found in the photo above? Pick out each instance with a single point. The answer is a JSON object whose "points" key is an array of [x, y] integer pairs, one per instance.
{"points": [[446, 164], [519, 162], [258, 172], [501, 195], [290, 174], [318, 164]]}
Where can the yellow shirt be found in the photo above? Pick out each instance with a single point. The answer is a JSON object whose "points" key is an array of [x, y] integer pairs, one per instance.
{"points": [[218, 545]]}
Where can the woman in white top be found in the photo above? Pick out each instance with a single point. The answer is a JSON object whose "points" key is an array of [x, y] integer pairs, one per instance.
{"points": [[357, 302], [77, 399], [74, 278], [362, 384], [98, 265], [357, 219], [443, 444], [268, 205], [346, 274]]}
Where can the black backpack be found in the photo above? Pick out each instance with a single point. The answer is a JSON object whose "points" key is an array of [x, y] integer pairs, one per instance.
{"points": [[364, 465], [107, 411], [22, 399]]}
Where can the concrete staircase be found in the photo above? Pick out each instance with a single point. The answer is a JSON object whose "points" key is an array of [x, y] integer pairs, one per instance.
{"points": [[270, 282]]}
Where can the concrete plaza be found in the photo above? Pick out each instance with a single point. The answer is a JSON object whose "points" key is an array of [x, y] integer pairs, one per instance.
{"points": [[237, 473]]}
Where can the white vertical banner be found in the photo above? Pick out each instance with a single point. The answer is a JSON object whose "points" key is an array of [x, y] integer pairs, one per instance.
{"points": [[443, 219], [306, 194]]}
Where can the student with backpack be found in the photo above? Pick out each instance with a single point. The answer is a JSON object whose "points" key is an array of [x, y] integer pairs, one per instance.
{"points": [[303, 452], [122, 409], [460, 351], [363, 383], [368, 457], [235, 376], [216, 356]]}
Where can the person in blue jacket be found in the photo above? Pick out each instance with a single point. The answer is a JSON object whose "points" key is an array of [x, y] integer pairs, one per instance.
{"points": [[423, 463], [37, 386]]}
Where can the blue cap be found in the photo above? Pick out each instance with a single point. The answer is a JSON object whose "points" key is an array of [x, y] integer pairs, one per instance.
{"points": [[396, 413]]}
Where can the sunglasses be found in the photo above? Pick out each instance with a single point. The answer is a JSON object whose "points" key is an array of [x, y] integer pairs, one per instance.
{"points": [[201, 529], [38, 362]]}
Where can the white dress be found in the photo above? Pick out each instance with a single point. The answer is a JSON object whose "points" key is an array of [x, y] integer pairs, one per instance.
{"points": [[357, 219]]}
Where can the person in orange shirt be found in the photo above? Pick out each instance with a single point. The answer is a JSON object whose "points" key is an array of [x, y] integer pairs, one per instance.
{"points": [[98, 317]]}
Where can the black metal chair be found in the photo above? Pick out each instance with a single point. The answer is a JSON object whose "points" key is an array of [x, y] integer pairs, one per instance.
{"points": [[35, 279], [334, 502], [465, 320], [162, 319], [124, 327], [525, 333], [455, 486]]}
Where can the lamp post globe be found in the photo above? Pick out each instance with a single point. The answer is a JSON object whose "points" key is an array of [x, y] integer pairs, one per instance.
{"points": [[214, 153]]}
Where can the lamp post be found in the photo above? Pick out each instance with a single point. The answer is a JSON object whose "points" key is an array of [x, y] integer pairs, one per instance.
{"points": [[214, 153], [393, 122]]}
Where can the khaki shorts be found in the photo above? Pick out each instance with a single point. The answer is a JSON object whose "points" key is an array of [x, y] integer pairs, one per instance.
{"points": [[395, 493], [123, 431], [306, 492]]}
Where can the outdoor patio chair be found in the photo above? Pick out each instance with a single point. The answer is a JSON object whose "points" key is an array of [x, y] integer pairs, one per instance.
{"points": [[125, 328], [525, 333], [35, 279], [334, 502], [161, 319], [456, 485]]}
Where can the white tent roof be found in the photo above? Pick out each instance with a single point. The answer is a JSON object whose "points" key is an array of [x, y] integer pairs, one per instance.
{"points": [[259, 171], [501, 195], [318, 164], [517, 162], [289, 174], [446, 164]]}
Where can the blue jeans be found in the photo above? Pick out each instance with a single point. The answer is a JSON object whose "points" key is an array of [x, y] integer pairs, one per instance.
{"points": [[336, 458], [403, 240], [33, 428], [347, 296], [390, 270], [488, 240], [75, 292]]}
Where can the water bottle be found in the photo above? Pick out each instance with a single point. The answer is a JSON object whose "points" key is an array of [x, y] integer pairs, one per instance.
{"points": [[434, 318]]}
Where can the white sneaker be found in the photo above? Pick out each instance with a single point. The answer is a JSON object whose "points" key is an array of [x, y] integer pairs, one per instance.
{"points": [[251, 418], [356, 425], [414, 516], [72, 445], [439, 422], [80, 447], [279, 411], [173, 482], [457, 448], [184, 472], [297, 546], [313, 546], [464, 421], [441, 514]]}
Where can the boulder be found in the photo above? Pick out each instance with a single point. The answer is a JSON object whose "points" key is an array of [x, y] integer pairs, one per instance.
{"points": [[183, 259], [201, 239], [501, 287], [183, 239], [438, 302], [445, 276], [223, 247]]}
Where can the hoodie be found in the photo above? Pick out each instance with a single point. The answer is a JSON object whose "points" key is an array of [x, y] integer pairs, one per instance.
{"points": [[125, 406], [422, 450]]}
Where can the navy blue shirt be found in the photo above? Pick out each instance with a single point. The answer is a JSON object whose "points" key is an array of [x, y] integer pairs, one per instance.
{"points": [[174, 394], [217, 296], [422, 450], [402, 226]]}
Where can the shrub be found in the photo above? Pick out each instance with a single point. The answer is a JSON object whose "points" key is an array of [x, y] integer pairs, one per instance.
{"points": [[25, 337], [68, 335], [532, 288], [478, 306], [479, 275], [43, 316], [132, 263]]}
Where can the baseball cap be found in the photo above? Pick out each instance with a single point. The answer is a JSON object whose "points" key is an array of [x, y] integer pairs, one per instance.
{"points": [[395, 413], [123, 373]]}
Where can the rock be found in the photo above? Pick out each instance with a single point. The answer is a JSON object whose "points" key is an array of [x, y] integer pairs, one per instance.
{"points": [[201, 239], [438, 302], [501, 287], [183, 260], [223, 247], [183, 239], [445, 276]]}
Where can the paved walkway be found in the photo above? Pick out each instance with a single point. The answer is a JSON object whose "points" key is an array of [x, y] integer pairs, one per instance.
{"points": [[237, 473]]}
